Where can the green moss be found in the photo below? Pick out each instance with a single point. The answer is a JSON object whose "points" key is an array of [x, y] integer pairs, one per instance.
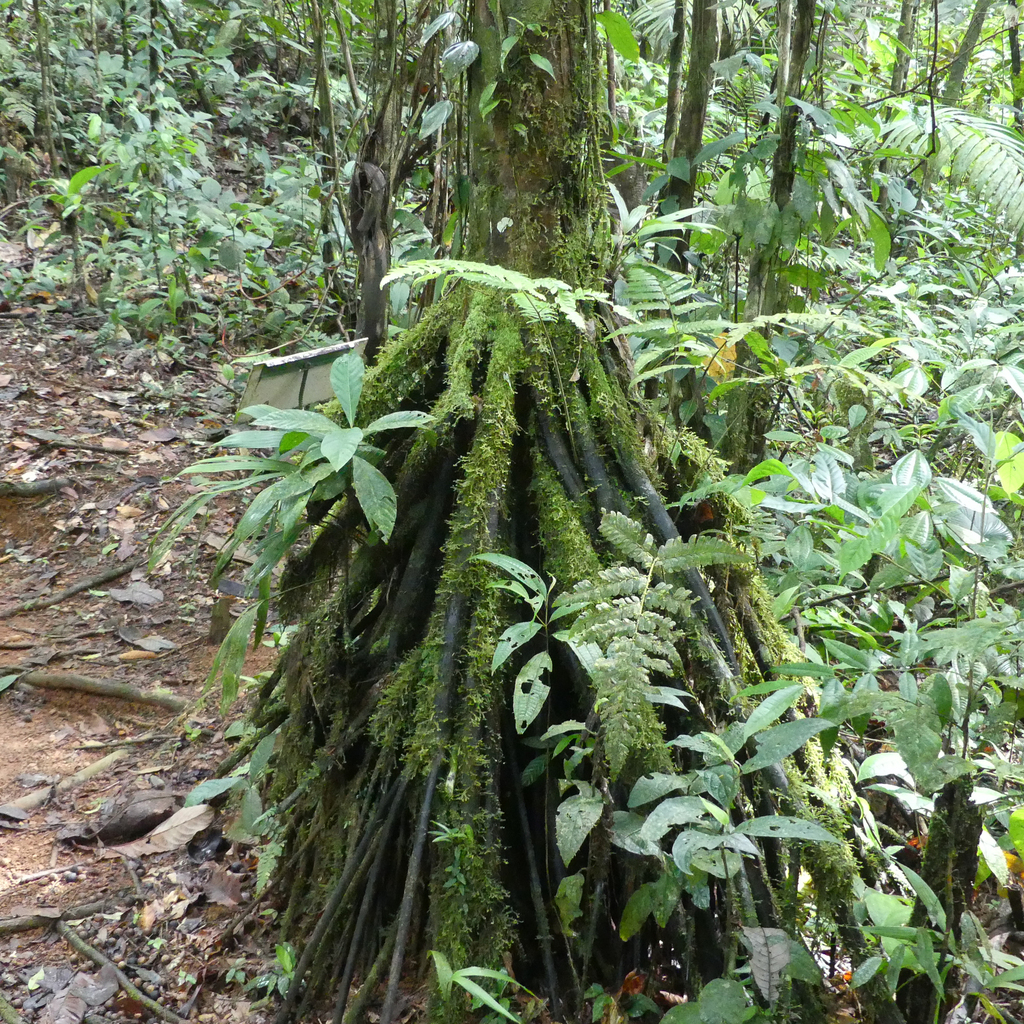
{"points": [[568, 554]]}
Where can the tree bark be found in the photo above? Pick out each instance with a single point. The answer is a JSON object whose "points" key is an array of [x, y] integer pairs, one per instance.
{"points": [[748, 409]]}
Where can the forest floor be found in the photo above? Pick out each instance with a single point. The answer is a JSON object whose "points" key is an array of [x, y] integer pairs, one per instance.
{"points": [[116, 422]]}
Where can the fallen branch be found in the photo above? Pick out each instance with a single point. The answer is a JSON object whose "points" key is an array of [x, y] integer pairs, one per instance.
{"points": [[101, 688], [9, 488], [38, 797], [9, 925], [106, 576], [8, 1014], [71, 937]]}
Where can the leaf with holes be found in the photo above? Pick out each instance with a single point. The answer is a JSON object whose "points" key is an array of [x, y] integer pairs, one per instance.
{"points": [[531, 691], [576, 819]]}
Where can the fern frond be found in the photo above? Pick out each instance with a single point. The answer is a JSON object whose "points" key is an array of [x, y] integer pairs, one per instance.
{"points": [[989, 156], [629, 539], [652, 287], [485, 274], [679, 554]]}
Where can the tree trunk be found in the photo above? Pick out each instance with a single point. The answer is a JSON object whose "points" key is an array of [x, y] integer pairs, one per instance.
{"points": [[958, 67], [418, 817], [749, 410], [689, 136]]}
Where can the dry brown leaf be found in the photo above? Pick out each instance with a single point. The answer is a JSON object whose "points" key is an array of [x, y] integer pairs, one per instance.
{"points": [[129, 511], [171, 834], [150, 915], [137, 656], [224, 887], [115, 444]]}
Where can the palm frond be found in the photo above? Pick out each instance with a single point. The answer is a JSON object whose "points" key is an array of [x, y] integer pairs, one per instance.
{"points": [[988, 155]]}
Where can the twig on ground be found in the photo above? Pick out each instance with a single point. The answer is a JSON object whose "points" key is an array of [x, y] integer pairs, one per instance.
{"points": [[38, 797], [72, 938], [134, 877], [101, 688], [106, 576], [42, 874]]}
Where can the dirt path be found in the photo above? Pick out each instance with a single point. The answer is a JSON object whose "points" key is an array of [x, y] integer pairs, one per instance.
{"points": [[115, 423]]}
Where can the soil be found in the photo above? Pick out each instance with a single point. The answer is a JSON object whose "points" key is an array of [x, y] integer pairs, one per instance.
{"points": [[116, 421]]}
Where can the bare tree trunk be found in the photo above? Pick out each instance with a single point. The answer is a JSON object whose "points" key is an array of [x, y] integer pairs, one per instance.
{"points": [[748, 409], [675, 79], [1016, 85], [958, 68], [693, 113]]}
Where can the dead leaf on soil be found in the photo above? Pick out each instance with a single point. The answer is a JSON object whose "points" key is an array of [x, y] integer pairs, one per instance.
{"points": [[70, 1004], [22, 911], [139, 592], [96, 726], [223, 887], [175, 832], [137, 656], [160, 434]]}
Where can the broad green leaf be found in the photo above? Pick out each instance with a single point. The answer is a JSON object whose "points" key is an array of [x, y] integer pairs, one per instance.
{"points": [[290, 419], [912, 469], [925, 893], [1016, 830], [516, 569], [458, 57], [576, 818], [543, 63], [685, 1013], [461, 978], [723, 1001], [568, 900], [231, 656], [783, 740], [636, 912], [84, 176], [339, 446], [444, 972], [994, 857], [347, 382], [435, 117], [770, 709], [886, 763], [530, 691], [253, 439], [924, 950], [653, 787], [866, 971], [620, 34], [442, 21], [398, 421], [206, 791], [376, 496], [677, 810], [781, 827], [1010, 466], [511, 640], [878, 232]]}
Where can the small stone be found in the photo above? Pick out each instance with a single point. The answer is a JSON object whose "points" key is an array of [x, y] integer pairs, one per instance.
{"points": [[70, 876], [26, 717]]}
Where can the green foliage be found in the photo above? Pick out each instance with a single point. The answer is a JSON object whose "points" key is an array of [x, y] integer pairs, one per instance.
{"points": [[314, 460]]}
